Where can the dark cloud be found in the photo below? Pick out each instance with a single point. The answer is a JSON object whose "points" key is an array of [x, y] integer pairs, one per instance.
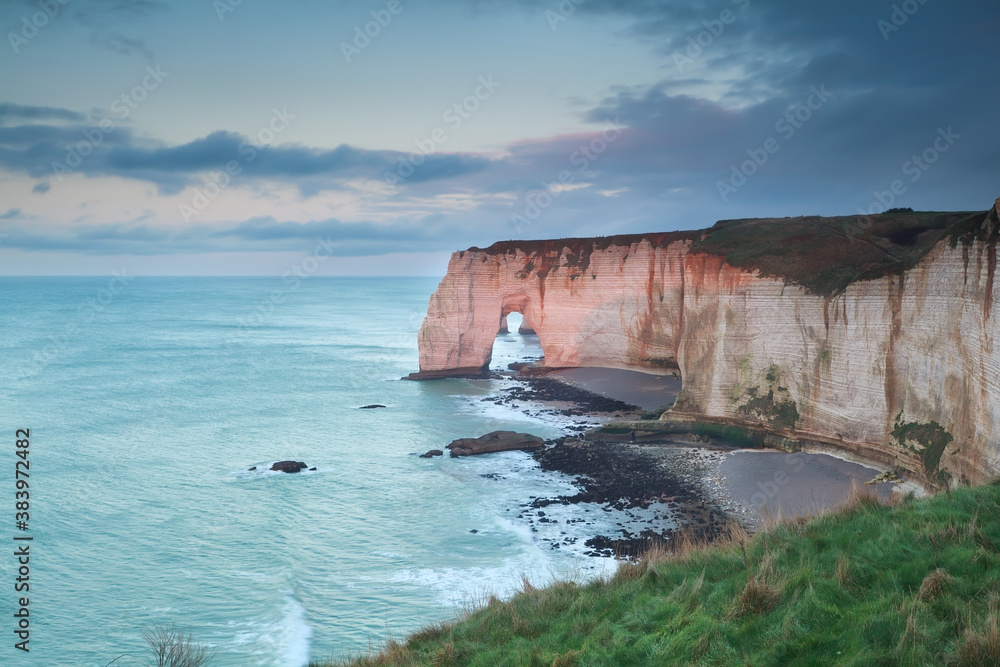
{"points": [[258, 234], [11, 112], [41, 188], [44, 150], [11, 214], [892, 92]]}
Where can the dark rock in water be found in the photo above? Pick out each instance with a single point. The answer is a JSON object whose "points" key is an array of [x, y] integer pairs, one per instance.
{"points": [[253, 468], [431, 454], [473, 531], [311, 469], [371, 407], [288, 466], [497, 441]]}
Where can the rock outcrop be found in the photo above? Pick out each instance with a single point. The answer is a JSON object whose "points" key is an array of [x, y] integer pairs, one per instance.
{"points": [[871, 335], [289, 466], [497, 441]]}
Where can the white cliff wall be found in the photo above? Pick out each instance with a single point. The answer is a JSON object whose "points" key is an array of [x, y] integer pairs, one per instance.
{"points": [[902, 367], [617, 306]]}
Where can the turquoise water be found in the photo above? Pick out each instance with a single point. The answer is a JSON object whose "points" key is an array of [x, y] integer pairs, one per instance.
{"points": [[148, 406]]}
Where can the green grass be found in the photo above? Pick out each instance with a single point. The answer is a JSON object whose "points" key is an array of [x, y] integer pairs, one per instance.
{"points": [[915, 583], [825, 255]]}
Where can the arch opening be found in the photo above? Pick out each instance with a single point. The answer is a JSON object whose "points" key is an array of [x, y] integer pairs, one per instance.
{"points": [[512, 345]]}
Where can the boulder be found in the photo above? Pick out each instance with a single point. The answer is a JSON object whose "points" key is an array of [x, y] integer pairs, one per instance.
{"points": [[497, 441], [431, 454], [288, 466], [371, 407], [253, 468]]}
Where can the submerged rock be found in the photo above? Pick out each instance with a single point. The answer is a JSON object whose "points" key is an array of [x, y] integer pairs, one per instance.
{"points": [[497, 441], [288, 466], [431, 454], [253, 467], [371, 407]]}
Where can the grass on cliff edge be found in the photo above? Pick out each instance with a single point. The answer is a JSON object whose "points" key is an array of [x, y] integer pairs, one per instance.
{"points": [[916, 583]]}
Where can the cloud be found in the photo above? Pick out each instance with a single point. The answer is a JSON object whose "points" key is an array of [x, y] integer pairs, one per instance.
{"points": [[680, 137], [41, 188], [258, 234], [11, 214], [123, 45], [9, 112], [44, 150]]}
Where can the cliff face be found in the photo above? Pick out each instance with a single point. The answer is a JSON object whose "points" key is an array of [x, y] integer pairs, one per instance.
{"points": [[591, 303], [896, 361]]}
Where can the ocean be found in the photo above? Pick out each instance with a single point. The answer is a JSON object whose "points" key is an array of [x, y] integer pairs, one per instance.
{"points": [[148, 400]]}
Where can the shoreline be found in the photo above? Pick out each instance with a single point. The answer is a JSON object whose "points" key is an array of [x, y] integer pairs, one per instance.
{"points": [[690, 481]]}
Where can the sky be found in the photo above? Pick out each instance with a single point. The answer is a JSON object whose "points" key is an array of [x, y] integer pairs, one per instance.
{"points": [[238, 137]]}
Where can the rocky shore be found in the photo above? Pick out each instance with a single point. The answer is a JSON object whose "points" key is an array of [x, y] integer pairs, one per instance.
{"points": [[665, 485], [626, 477]]}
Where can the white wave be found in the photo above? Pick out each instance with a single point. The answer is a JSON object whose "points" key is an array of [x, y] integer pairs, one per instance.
{"points": [[296, 633]]}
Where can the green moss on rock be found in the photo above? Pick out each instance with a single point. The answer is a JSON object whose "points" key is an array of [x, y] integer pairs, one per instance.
{"points": [[928, 440], [779, 415]]}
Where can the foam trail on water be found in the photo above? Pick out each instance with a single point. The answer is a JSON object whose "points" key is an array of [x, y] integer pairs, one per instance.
{"points": [[297, 633]]}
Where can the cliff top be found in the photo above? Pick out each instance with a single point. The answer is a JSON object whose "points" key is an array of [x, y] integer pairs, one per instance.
{"points": [[824, 255]]}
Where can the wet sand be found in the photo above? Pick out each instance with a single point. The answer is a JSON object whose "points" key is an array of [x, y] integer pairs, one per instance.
{"points": [[761, 484], [750, 485], [648, 391]]}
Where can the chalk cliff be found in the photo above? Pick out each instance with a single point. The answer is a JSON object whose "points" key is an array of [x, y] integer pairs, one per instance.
{"points": [[872, 335]]}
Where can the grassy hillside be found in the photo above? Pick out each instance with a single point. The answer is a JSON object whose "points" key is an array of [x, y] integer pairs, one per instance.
{"points": [[915, 583]]}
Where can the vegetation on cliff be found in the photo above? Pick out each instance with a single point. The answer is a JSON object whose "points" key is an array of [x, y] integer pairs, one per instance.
{"points": [[911, 583], [823, 255], [927, 440]]}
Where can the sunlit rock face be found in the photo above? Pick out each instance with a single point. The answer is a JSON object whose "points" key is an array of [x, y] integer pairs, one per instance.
{"points": [[897, 364], [617, 305]]}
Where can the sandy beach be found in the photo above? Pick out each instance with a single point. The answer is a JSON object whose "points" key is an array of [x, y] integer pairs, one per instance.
{"points": [[648, 391], [751, 485]]}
